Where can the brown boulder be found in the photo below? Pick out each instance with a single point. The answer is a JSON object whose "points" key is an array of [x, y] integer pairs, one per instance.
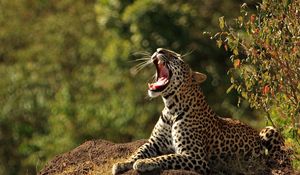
{"points": [[96, 158]]}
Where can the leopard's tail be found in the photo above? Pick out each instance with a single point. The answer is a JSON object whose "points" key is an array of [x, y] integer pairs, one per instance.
{"points": [[276, 152]]}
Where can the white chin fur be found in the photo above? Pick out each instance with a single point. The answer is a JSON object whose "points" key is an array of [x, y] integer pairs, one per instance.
{"points": [[153, 94]]}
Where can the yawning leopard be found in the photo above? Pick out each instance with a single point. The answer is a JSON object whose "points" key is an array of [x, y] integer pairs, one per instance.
{"points": [[189, 135]]}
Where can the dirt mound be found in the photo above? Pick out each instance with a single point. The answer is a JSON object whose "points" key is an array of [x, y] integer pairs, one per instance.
{"points": [[96, 158]]}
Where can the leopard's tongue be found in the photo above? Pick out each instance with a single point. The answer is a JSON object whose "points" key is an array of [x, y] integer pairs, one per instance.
{"points": [[159, 83]]}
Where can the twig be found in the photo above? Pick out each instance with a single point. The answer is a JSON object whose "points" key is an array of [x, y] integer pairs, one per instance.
{"points": [[270, 119]]}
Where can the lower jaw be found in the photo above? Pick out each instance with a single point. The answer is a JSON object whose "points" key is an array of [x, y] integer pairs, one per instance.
{"points": [[153, 93]]}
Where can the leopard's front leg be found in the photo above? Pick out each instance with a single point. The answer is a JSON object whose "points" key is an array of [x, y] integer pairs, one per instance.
{"points": [[190, 152], [144, 151], [172, 161], [159, 143]]}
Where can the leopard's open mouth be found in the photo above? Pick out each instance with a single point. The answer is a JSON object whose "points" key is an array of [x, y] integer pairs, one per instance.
{"points": [[163, 76]]}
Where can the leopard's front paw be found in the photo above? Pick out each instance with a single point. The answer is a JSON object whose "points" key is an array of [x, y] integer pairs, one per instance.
{"points": [[144, 165], [119, 168]]}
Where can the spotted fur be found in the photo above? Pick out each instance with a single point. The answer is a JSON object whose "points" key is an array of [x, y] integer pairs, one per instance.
{"points": [[189, 135]]}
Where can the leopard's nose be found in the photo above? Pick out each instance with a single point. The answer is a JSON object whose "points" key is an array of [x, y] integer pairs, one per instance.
{"points": [[153, 57], [161, 50]]}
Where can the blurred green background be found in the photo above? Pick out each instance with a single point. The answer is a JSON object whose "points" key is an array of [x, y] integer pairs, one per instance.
{"points": [[65, 71]]}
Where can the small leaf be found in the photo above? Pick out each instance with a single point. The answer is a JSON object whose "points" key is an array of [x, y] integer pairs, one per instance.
{"points": [[266, 89], [235, 51], [229, 89], [221, 22], [236, 63], [252, 18], [219, 43], [241, 19], [244, 95]]}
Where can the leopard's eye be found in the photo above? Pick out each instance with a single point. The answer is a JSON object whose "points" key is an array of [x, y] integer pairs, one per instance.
{"points": [[161, 51]]}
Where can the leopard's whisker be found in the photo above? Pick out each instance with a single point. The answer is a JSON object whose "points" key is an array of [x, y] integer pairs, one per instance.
{"points": [[143, 53], [141, 59], [134, 70], [153, 77], [188, 53]]}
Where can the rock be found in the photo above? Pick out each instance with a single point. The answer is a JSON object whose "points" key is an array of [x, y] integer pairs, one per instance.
{"points": [[96, 158]]}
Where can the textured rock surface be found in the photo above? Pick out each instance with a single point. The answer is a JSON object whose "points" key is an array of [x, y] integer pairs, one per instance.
{"points": [[96, 158]]}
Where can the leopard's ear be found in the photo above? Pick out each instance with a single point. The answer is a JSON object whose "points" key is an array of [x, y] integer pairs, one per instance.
{"points": [[199, 77]]}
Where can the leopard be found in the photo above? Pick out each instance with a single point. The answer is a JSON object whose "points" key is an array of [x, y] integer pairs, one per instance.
{"points": [[189, 135]]}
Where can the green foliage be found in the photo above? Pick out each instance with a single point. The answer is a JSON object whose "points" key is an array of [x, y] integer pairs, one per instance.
{"points": [[265, 56], [65, 71]]}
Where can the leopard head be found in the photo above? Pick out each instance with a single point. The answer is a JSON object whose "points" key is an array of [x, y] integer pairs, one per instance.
{"points": [[171, 73]]}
